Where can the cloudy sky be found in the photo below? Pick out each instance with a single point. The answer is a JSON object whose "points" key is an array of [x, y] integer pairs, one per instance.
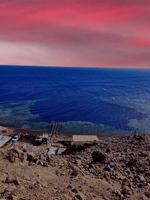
{"points": [[75, 32]]}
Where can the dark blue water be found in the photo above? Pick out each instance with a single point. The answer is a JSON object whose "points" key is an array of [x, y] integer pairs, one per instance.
{"points": [[84, 100]]}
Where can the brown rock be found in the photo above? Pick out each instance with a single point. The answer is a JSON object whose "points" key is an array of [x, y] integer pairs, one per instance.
{"points": [[74, 190], [125, 187], [74, 173], [79, 196], [125, 191], [132, 162], [21, 156], [31, 158], [12, 179], [14, 154], [139, 137], [147, 193], [108, 150]]}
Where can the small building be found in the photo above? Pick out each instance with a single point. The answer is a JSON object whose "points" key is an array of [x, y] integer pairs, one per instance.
{"points": [[4, 140], [85, 138], [45, 135]]}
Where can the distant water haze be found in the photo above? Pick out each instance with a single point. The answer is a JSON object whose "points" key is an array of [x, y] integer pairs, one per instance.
{"points": [[83, 100]]}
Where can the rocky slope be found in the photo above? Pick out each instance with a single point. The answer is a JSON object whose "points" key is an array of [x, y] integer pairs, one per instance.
{"points": [[113, 168]]}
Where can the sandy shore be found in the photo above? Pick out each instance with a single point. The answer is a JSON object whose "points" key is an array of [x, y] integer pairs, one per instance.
{"points": [[10, 130]]}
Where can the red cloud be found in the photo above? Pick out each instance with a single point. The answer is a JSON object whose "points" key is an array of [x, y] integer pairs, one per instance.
{"points": [[88, 31]]}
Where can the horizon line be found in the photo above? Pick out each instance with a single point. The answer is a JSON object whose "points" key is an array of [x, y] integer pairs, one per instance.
{"points": [[81, 67]]}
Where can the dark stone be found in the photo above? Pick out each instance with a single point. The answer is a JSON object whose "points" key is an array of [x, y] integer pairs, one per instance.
{"points": [[125, 192], [74, 190], [139, 138], [147, 194], [78, 197], [143, 154], [72, 149], [132, 162], [31, 158], [98, 157], [108, 150], [74, 173]]}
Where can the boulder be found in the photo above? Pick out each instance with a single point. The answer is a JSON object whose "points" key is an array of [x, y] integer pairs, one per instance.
{"points": [[98, 157]]}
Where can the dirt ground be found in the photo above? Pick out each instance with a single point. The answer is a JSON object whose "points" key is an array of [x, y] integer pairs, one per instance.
{"points": [[113, 168]]}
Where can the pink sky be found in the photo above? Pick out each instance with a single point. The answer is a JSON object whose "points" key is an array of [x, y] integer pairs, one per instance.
{"points": [[75, 32]]}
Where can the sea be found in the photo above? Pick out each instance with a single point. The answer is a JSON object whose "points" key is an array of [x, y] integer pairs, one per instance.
{"points": [[81, 100]]}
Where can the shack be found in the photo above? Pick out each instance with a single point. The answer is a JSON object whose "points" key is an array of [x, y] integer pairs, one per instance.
{"points": [[85, 138]]}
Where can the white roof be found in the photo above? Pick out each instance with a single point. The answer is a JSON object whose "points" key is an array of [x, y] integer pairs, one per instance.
{"points": [[4, 140], [85, 138]]}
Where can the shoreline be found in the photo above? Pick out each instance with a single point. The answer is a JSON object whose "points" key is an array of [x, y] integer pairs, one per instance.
{"points": [[13, 129]]}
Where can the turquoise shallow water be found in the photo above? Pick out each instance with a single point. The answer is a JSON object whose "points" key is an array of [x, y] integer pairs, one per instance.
{"points": [[83, 100]]}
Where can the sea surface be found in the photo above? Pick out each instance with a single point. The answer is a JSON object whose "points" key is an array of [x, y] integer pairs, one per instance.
{"points": [[83, 100]]}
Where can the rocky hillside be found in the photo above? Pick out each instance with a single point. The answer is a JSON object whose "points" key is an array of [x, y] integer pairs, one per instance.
{"points": [[114, 168]]}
